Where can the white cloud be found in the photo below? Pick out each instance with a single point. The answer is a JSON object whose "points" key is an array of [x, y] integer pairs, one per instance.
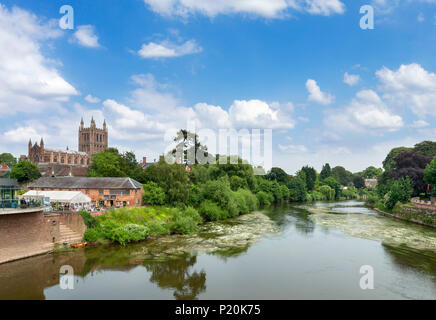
{"points": [[365, 114], [261, 8], [167, 49], [421, 17], [28, 81], [410, 86], [351, 79], [316, 95], [420, 124], [22, 135], [92, 99], [324, 7], [293, 148], [85, 36], [258, 114]]}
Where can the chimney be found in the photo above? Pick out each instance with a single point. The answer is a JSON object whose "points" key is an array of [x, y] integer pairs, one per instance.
{"points": [[144, 160]]}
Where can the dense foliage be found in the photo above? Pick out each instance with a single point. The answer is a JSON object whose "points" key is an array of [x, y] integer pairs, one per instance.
{"points": [[25, 171], [9, 159]]}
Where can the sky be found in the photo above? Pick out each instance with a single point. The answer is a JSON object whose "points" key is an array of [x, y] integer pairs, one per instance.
{"points": [[330, 91]]}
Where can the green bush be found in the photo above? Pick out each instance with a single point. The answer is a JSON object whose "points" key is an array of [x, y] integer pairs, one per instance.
{"points": [[264, 198], [185, 221], [400, 190], [129, 233], [241, 203], [211, 211], [328, 192], [89, 220], [158, 228], [153, 194], [250, 199], [91, 235]]}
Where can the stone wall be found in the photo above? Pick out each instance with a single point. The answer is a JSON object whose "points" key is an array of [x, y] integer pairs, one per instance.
{"points": [[422, 216], [28, 234]]}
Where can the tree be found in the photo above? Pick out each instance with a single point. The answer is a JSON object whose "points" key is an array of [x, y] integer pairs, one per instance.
{"points": [[389, 163], [172, 178], [412, 165], [278, 175], [153, 194], [358, 182], [399, 191], [108, 163], [426, 148], [371, 172], [25, 171], [334, 184], [430, 175], [342, 175], [328, 192], [9, 159], [325, 172], [297, 190], [188, 144], [309, 177]]}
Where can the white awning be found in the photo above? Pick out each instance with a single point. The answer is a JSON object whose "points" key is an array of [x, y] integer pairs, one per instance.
{"points": [[73, 197]]}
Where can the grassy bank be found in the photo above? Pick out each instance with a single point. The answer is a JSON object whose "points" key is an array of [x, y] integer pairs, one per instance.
{"points": [[135, 224]]}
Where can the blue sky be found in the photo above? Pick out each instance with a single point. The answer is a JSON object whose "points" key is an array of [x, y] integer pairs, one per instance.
{"points": [[330, 91]]}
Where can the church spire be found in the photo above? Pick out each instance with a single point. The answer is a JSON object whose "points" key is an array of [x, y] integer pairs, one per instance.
{"points": [[82, 124], [104, 125], [92, 122]]}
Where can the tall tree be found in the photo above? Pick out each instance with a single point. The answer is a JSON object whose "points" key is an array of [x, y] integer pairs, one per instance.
{"points": [[309, 177], [426, 148], [342, 175], [188, 146], [278, 175], [325, 172], [9, 159], [389, 163], [412, 165], [430, 176]]}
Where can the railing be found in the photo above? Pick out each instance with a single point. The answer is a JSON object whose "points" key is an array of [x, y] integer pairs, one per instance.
{"points": [[22, 203]]}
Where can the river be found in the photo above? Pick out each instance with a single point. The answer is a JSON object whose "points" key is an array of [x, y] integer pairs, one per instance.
{"points": [[312, 251]]}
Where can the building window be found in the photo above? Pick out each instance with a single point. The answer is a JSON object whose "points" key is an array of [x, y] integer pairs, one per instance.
{"points": [[101, 192]]}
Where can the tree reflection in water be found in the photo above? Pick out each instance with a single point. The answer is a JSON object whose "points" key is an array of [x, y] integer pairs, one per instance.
{"points": [[176, 274]]}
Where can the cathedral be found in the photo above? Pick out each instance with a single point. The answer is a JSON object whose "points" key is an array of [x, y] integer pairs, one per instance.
{"points": [[91, 141]]}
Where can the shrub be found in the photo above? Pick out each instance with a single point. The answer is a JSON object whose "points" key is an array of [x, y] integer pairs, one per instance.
{"points": [[400, 190], [129, 233], [185, 221], [158, 228], [241, 203], [91, 235], [89, 220], [297, 190], [264, 198], [211, 211], [250, 199]]}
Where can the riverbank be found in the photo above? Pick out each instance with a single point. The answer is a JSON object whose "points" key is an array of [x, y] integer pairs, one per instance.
{"points": [[410, 213]]}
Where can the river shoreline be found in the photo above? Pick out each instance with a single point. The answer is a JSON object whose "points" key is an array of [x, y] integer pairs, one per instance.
{"points": [[416, 217]]}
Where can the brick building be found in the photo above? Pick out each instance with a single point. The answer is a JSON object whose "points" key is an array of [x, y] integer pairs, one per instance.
{"points": [[107, 192], [91, 141]]}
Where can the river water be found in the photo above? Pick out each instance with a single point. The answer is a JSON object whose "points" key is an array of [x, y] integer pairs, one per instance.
{"points": [[286, 252]]}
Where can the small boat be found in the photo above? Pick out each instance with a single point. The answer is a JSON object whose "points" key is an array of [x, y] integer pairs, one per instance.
{"points": [[79, 245]]}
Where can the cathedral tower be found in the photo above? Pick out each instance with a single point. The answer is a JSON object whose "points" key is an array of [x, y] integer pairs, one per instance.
{"points": [[93, 140]]}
